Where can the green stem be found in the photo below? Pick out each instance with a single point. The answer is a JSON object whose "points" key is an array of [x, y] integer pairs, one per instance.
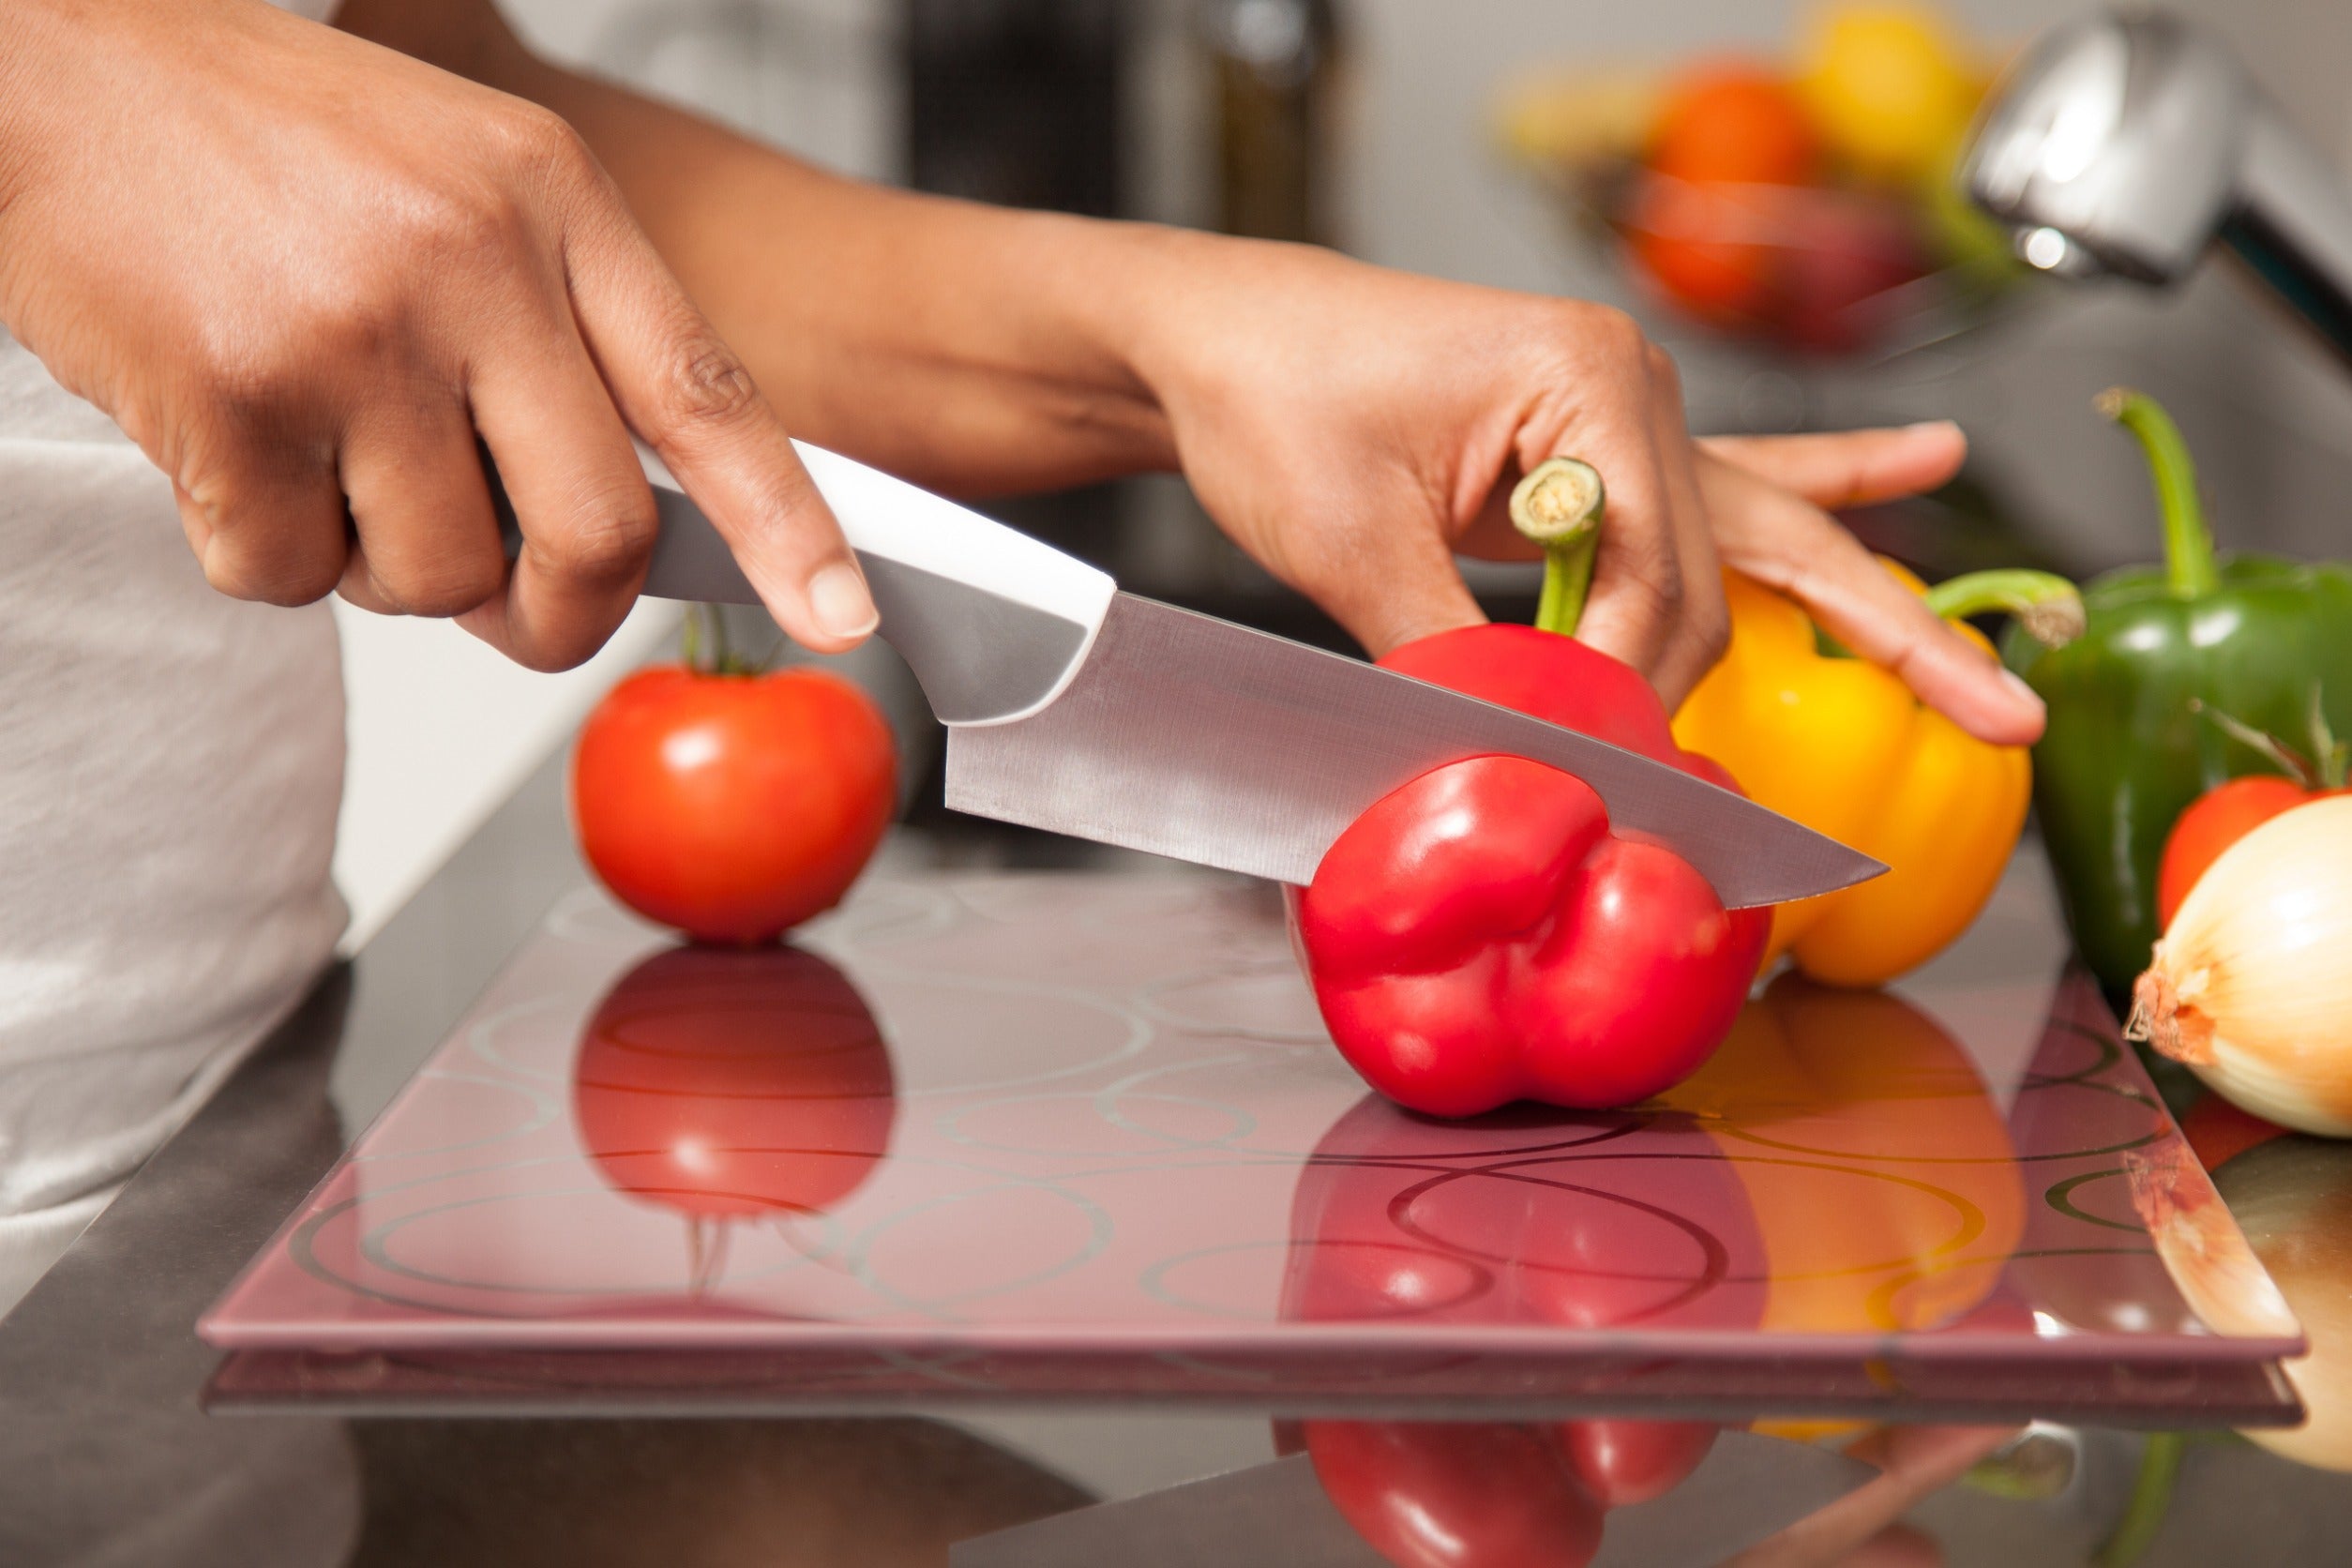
{"points": [[1559, 505], [690, 639], [2324, 769], [2188, 543], [2151, 1500], [723, 658], [2046, 605]]}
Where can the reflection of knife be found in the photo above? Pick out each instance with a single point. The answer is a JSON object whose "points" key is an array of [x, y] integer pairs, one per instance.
{"points": [[1077, 708], [1749, 1488]]}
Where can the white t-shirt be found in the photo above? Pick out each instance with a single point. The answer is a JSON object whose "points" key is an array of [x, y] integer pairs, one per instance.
{"points": [[171, 761]]}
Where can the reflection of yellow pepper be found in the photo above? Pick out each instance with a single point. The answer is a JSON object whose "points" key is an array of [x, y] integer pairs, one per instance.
{"points": [[1844, 747]]}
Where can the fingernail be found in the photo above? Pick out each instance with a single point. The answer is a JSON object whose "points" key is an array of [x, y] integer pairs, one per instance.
{"points": [[1924, 425], [839, 600], [2024, 693]]}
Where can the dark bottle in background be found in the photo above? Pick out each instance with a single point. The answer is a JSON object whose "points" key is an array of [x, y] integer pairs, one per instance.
{"points": [[1275, 68], [1018, 102]]}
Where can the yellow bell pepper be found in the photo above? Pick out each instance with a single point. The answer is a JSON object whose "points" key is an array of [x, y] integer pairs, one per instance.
{"points": [[1843, 747]]}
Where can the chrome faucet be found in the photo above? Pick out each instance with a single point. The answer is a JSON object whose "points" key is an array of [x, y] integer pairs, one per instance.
{"points": [[2128, 143]]}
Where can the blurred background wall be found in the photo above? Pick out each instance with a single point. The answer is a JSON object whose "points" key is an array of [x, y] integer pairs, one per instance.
{"points": [[441, 728]]}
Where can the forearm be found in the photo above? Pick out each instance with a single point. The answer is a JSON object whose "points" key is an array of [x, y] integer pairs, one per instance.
{"points": [[972, 348]]}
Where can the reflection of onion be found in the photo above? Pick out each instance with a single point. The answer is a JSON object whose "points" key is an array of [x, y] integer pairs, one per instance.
{"points": [[2293, 1199], [2201, 1249]]}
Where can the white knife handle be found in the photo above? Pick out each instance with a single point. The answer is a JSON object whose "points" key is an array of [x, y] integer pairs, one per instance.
{"points": [[993, 623]]}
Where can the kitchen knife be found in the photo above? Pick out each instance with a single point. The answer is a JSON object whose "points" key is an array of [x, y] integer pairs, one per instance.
{"points": [[1073, 707]]}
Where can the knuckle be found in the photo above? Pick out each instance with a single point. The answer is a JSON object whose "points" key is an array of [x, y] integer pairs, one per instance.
{"points": [[707, 385], [1663, 372], [281, 577], [541, 143], [607, 540], [443, 585], [1615, 335]]}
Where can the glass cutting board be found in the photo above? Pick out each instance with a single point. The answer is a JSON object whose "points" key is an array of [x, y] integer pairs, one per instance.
{"points": [[1082, 1136]]}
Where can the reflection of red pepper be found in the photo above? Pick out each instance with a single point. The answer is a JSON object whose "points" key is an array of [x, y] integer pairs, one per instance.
{"points": [[1511, 1220], [1434, 1494], [1480, 935], [731, 1085]]}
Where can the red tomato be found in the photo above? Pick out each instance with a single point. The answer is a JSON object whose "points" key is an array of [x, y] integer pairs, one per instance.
{"points": [[2218, 1132], [733, 806], [1729, 120], [734, 1084], [2218, 819], [1701, 228]]}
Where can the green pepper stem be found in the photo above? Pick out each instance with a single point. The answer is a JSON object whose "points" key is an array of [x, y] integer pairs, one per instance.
{"points": [[2046, 605], [2151, 1500], [2188, 542], [1559, 505]]}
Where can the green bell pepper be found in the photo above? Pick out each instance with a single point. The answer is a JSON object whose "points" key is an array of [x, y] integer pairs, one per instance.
{"points": [[2255, 637]]}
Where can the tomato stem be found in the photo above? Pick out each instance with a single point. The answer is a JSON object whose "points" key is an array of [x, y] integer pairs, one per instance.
{"points": [[2324, 770], [1558, 506]]}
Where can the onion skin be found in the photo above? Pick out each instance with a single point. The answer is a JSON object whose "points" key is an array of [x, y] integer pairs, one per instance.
{"points": [[2252, 984]]}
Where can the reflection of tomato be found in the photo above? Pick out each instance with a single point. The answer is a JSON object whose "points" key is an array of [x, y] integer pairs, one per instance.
{"points": [[1823, 1097], [734, 1084], [733, 806], [1703, 216]]}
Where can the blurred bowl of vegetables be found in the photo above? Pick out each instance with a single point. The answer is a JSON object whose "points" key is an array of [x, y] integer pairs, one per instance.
{"points": [[1806, 205]]}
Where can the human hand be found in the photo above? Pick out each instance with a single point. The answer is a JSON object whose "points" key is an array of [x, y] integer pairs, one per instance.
{"points": [[303, 273], [1353, 429]]}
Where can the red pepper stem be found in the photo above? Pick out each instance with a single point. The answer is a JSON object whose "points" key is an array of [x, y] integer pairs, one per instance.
{"points": [[2046, 605], [690, 639], [1558, 506], [2189, 565]]}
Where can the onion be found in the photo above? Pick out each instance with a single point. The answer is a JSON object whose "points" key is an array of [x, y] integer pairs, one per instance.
{"points": [[2251, 983]]}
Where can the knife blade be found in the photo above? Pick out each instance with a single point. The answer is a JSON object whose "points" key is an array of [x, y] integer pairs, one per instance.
{"points": [[1081, 710]]}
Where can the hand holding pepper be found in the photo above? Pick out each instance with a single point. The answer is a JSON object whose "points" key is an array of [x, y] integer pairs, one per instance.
{"points": [[1480, 935]]}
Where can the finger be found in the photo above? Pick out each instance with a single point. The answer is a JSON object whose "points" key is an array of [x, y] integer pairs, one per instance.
{"points": [[1798, 549], [684, 391], [267, 526], [427, 544], [1398, 595], [1702, 627], [1851, 468], [579, 497], [1637, 583]]}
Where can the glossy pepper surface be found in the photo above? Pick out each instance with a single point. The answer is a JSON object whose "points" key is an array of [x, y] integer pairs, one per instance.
{"points": [[1843, 747], [2125, 753], [1481, 935]]}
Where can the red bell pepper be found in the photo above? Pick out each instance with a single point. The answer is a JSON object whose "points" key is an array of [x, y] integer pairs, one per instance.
{"points": [[1481, 935]]}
